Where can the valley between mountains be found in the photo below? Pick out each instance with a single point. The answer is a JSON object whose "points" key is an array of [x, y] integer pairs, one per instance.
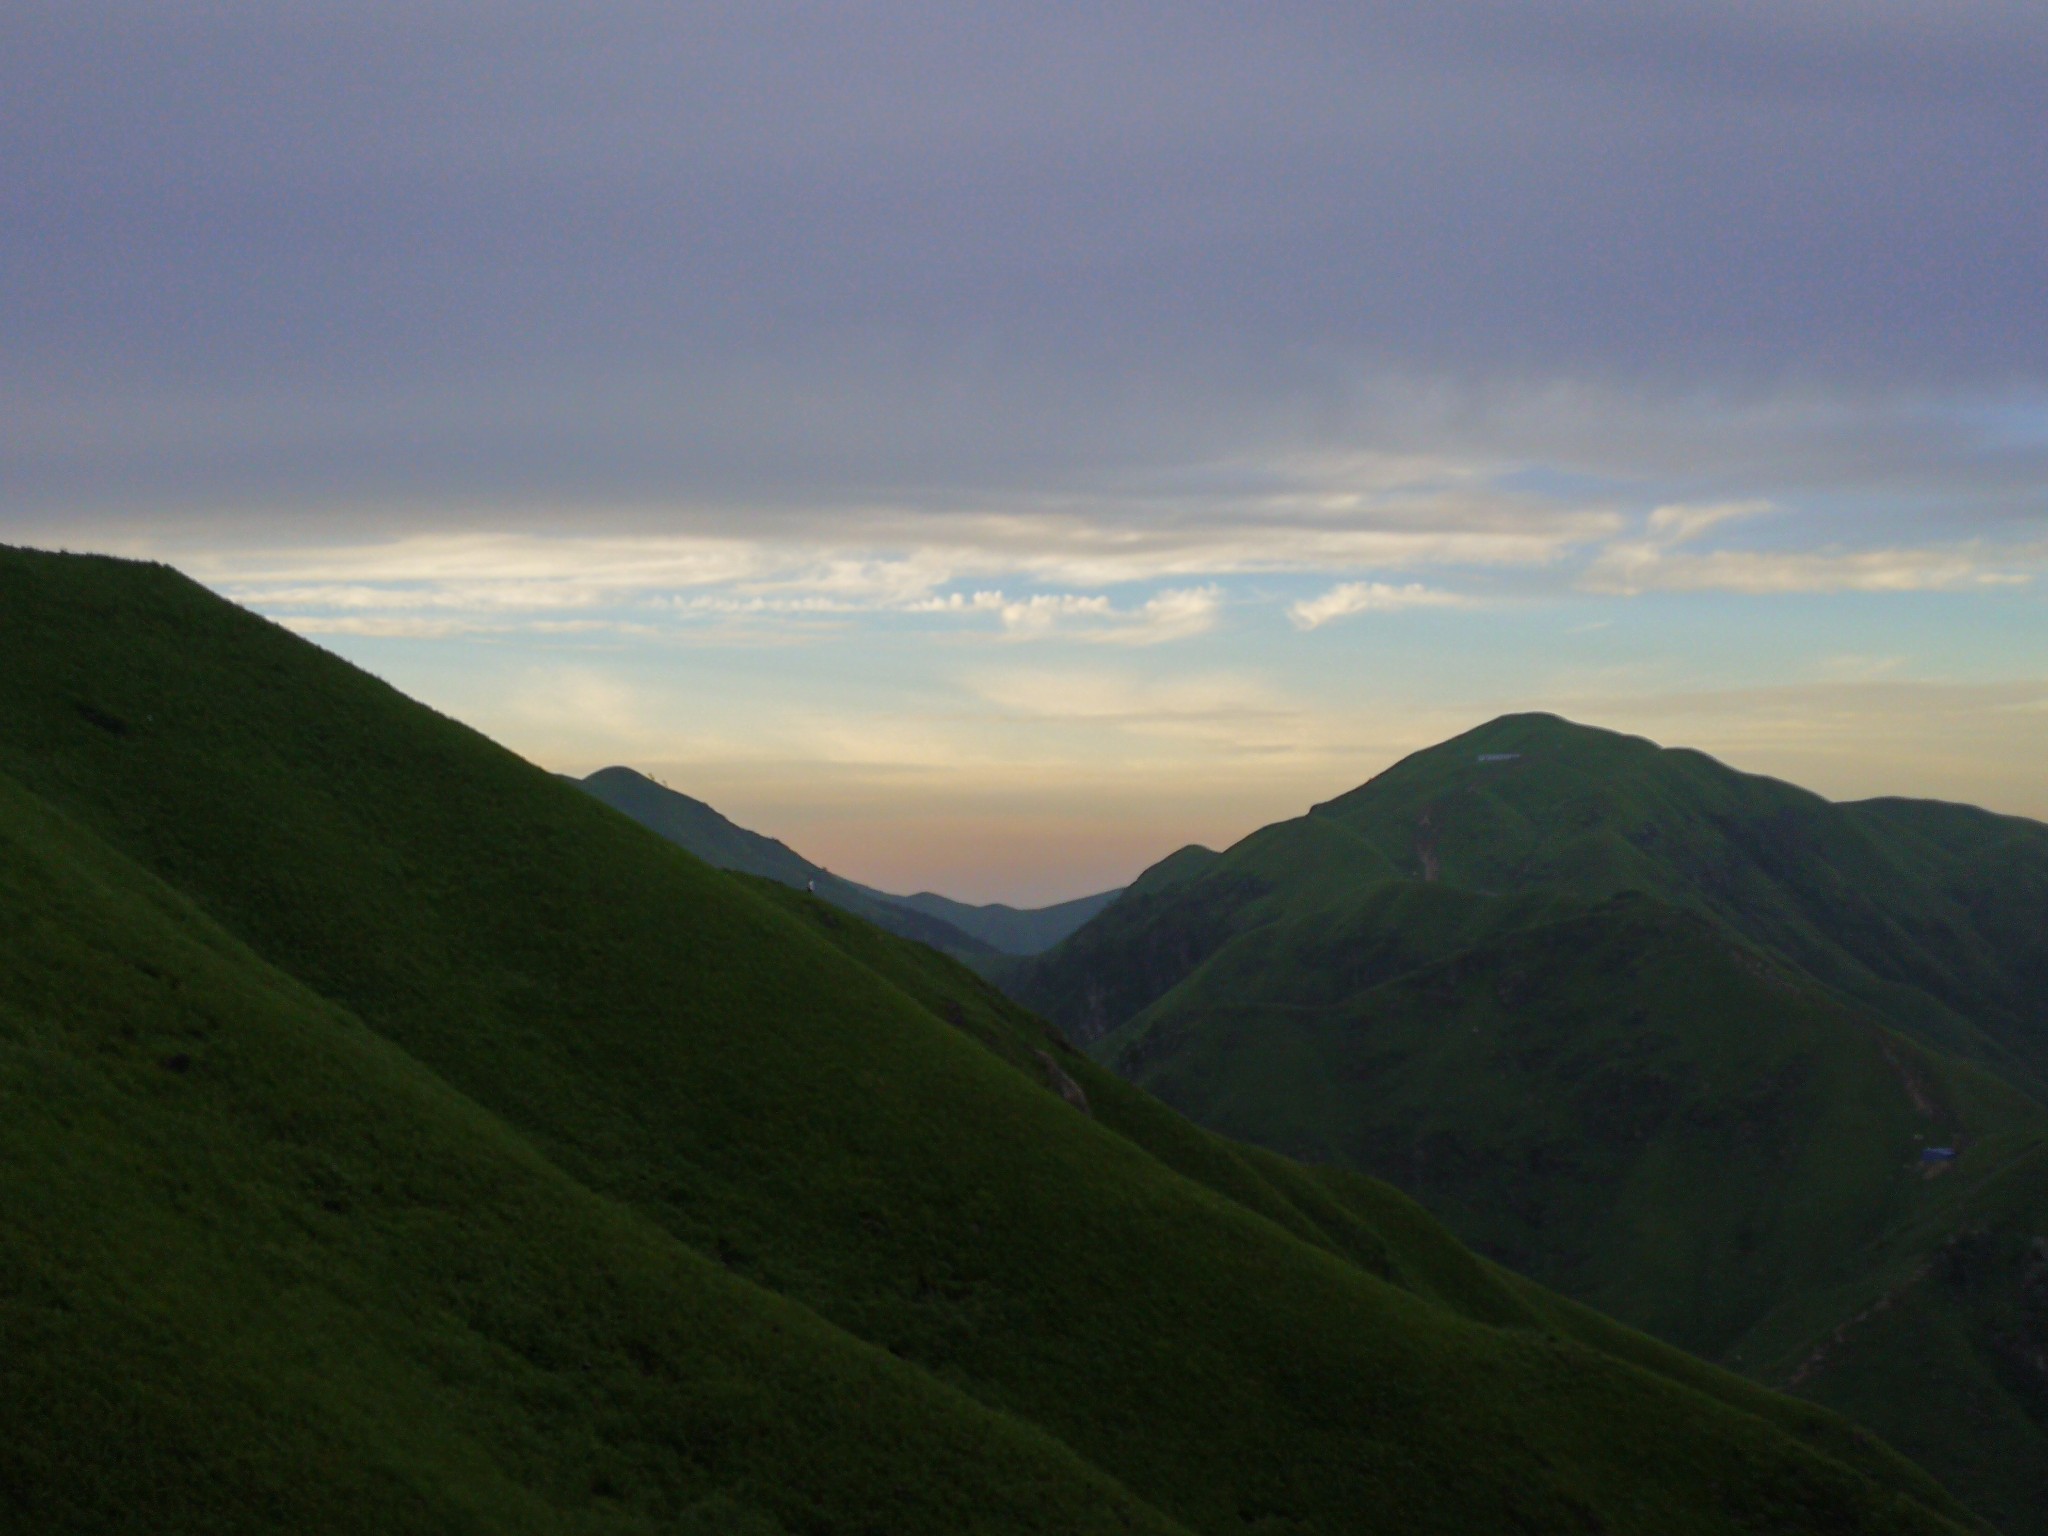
{"points": [[1556, 1134], [1751, 1071]]}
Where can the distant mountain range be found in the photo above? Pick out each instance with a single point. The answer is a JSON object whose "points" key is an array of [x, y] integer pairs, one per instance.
{"points": [[964, 931], [394, 1139], [1757, 1072]]}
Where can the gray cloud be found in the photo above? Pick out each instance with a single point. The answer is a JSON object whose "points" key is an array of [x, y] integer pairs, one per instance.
{"points": [[367, 260]]}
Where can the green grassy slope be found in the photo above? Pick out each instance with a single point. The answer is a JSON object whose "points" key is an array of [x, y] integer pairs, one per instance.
{"points": [[1936, 916], [1959, 1334], [1358, 1218], [260, 1271], [598, 1119], [1452, 979], [1622, 1103]]}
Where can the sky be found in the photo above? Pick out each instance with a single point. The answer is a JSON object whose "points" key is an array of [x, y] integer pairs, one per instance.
{"points": [[991, 446]]}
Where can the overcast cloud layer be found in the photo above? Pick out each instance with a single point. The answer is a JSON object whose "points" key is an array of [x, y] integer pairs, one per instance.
{"points": [[488, 341]]}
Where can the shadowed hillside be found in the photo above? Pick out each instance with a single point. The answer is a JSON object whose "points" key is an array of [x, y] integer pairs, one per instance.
{"points": [[1934, 916], [400, 1140], [1673, 1039]]}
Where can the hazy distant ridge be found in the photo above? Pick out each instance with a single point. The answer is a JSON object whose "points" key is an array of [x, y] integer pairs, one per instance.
{"points": [[954, 926]]}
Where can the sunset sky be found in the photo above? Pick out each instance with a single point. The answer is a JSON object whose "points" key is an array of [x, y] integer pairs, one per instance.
{"points": [[989, 446]]}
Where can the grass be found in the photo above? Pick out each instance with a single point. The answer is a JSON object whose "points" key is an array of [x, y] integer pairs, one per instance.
{"points": [[1665, 1037], [1934, 916], [264, 1272], [398, 1139]]}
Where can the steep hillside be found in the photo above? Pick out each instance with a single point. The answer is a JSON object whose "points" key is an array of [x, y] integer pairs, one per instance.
{"points": [[399, 1139], [264, 1272], [1935, 916], [1528, 989], [958, 928]]}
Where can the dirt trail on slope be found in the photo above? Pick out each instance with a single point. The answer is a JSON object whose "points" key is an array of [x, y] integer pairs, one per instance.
{"points": [[1835, 1340], [1915, 1086]]}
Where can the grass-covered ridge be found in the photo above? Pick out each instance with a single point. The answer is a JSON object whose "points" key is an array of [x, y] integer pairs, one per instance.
{"points": [[264, 1272], [1934, 916], [1661, 1035], [397, 1139]]}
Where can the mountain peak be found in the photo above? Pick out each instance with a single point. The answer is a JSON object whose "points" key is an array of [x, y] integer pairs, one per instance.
{"points": [[1539, 729], [620, 779], [1523, 738]]}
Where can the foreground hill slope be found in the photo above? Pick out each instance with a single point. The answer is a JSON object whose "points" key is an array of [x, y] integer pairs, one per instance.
{"points": [[623, 1176], [1519, 976], [263, 1272]]}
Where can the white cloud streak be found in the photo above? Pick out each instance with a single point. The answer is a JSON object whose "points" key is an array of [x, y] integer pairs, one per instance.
{"points": [[1369, 597], [1678, 523], [1053, 575], [1174, 614], [452, 586], [1657, 562], [1635, 569]]}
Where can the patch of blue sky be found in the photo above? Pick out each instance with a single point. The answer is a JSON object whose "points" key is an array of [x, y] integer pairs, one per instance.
{"points": [[1554, 482], [2014, 420]]}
